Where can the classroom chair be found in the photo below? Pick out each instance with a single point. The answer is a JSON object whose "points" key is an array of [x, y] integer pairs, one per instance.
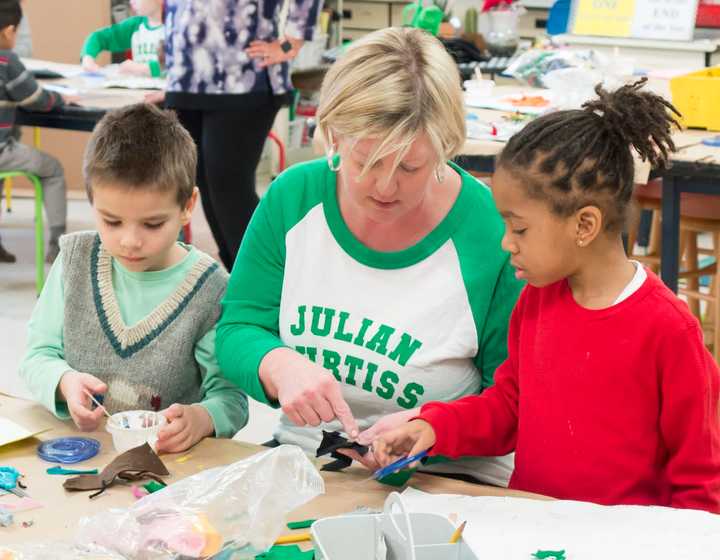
{"points": [[698, 214], [39, 231]]}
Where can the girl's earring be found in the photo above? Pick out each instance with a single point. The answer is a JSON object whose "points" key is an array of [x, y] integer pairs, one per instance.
{"points": [[580, 242], [440, 173], [331, 155]]}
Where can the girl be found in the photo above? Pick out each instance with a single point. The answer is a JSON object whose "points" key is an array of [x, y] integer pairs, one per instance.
{"points": [[608, 393]]}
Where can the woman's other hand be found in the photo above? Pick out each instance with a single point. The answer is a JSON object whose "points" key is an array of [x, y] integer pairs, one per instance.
{"points": [[271, 52]]}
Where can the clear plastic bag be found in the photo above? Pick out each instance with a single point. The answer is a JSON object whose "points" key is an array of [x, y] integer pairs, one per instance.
{"points": [[240, 507], [54, 550], [533, 66]]}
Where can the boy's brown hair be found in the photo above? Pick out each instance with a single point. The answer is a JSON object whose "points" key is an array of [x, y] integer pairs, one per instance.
{"points": [[141, 147], [10, 13]]}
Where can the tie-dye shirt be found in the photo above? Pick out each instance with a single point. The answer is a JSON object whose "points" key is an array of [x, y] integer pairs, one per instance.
{"points": [[206, 42]]}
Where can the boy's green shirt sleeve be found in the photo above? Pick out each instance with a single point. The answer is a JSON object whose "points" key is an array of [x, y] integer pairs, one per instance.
{"points": [[44, 362], [224, 401], [114, 38]]}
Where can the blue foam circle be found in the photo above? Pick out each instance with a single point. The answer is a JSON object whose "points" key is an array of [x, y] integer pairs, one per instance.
{"points": [[68, 450]]}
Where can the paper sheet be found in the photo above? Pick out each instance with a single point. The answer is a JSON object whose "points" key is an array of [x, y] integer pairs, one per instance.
{"points": [[11, 432], [514, 528]]}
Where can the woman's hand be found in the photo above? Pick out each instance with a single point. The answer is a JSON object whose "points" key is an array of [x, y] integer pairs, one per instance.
{"points": [[89, 64], [133, 68], [270, 52], [307, 393], [409, 439], [73, 388], [187, 425]]}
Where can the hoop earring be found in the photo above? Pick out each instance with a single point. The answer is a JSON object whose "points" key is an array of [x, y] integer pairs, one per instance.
{"points": [[440, 173], [330, 160]]}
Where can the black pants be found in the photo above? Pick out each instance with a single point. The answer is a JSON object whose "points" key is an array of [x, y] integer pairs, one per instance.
{"points": [[230, 143]]}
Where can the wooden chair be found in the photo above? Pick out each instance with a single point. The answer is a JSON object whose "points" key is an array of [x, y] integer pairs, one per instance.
{"points": [[698, 214]]}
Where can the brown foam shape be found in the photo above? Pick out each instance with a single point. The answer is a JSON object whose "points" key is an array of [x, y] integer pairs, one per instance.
{"points": [[135, 464]]}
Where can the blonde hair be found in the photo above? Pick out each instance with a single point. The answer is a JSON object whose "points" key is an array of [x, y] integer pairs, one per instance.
{"points": [[394, 84]]}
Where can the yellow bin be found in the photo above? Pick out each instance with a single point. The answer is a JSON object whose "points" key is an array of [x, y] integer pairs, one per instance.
{"points": [[697, 97]]}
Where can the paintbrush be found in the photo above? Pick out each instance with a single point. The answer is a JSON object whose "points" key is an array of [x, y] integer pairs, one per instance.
{"points": [[93, 399]]}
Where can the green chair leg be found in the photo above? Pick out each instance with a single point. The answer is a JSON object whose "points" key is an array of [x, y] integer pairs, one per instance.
{"points": [[39, 235], [39, 226]]}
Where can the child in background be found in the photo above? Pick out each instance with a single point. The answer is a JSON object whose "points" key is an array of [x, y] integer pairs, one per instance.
{"points": [[141, 33], [19, 89], [608, 393], [128, 311]]}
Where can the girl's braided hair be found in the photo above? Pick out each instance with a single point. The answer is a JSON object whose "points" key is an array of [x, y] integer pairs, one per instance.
{"points": [[584, 157]]}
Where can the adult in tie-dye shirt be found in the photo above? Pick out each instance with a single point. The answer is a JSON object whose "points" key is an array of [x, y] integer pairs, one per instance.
{"points": [[227, 78]]}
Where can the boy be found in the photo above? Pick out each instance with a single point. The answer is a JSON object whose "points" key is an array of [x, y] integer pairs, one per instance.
{"points": [[141, 34], [19, 89], [129, 312]]}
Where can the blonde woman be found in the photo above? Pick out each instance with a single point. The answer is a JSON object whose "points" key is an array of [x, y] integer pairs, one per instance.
{"points": [[373, 280]]}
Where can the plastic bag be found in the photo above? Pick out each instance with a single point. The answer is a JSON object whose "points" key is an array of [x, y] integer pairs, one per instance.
{"points": [[54, 550], [534, 65], [241, 507]]}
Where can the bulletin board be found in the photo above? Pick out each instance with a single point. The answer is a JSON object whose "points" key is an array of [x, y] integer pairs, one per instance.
{"points": [[672, 20]]}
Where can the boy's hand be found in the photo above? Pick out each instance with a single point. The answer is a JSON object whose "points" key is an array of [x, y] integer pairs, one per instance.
{"points": [[89, 64], [410, 439], [134, 68], [73, 388], [187, 425]]}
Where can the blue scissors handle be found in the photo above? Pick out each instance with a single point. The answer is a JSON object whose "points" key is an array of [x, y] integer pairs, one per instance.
{"points": [[398, 465]]}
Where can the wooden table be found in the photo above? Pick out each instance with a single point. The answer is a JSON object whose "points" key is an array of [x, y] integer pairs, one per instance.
{"points": [[59, 518]]}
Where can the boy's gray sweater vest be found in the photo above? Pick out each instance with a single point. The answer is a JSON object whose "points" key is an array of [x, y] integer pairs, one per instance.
{"points": [[151, 364]]}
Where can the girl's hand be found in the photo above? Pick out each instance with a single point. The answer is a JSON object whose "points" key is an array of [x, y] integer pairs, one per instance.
{"points": [[367, 437], [134, 68], [89, 64], [187, 425], [270, 52], [73, 388], [385, 424], [307, 393], [407, 440]]}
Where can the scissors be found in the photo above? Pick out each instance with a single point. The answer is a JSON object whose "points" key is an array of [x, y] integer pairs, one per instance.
{"points": [[9, 481]]}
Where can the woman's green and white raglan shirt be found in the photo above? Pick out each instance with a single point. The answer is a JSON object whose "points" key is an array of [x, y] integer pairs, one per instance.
{"points": [[396, 329], [134, 34]]}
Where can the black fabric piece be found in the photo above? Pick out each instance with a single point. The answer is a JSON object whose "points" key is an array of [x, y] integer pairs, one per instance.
{"points": [[331, 442], [338, 464]]}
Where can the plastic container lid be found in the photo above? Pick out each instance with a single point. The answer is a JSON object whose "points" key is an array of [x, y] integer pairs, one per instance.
{"points": [[68, 450]]}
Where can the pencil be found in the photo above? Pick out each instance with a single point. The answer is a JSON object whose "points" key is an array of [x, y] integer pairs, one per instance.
{"points": [[293, 538], [458, 533]]}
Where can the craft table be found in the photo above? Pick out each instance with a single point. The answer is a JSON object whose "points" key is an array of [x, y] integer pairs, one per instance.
{"points": [[62, 510]]}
